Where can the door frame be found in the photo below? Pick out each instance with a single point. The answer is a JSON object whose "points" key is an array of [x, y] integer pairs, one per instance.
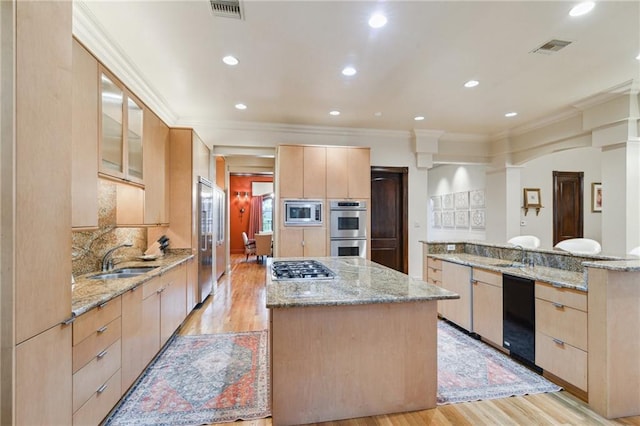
{"points": [[556, 202], [404, 171]]}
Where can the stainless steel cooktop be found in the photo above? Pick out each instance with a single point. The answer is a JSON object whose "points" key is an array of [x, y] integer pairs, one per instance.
{"points": [[300, 270]]}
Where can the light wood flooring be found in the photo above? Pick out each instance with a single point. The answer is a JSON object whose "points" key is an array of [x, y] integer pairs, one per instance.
{"points": [[239, 305]]}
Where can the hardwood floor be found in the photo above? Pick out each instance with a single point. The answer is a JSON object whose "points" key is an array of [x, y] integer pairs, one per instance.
{"points": [[239, 305]]}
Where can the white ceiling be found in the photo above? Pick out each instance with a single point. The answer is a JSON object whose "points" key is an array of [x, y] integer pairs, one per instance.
{"points": [[292, 52]]}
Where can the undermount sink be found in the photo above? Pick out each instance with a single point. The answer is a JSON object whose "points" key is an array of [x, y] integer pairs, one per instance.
{"points": [[122, 273]]}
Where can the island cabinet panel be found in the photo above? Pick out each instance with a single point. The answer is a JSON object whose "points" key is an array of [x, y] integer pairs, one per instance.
{"points": [[457, 278], [487, 305], [561, 333], [84, 139], [339, 362]]}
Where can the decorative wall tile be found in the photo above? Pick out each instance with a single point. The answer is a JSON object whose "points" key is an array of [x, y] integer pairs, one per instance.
{"points": [[462, 219], [477, 219], [447, 201], [462, 200], [448, 219], [437, 219], [476, 199], [436, 202]]}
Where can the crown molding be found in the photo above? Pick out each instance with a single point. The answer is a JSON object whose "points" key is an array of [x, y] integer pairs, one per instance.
{"points": [[88, 30], [537, 124], [252, 126], [630, 87]]}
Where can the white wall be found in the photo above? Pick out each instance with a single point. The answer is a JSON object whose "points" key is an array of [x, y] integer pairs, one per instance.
{"points": [[447, 179], [538, 173]]}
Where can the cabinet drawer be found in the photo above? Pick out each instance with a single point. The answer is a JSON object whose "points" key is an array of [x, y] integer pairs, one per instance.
{"points": [[152, 286], [175, 274], [437, 282], [562, 322], [87, 324], [434, 263], [565, 296], [562, 360], [97, 342], [489, 277], [93, 375], [100, 403], [434, 274]]}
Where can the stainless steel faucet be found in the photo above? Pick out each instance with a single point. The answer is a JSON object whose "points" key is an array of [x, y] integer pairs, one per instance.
{"points": [[107, 261]]}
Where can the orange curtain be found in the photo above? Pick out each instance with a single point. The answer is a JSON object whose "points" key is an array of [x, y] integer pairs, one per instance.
{"points": [[255, 216]]}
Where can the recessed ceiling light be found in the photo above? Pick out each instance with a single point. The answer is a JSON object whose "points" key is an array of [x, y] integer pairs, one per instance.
{"points": [[418, 118], [377, 114], [241, 106], [334, 112], [638, 57], [582, 8], [471, 83], [377, 20], [230, 60], [349, 71], [511, 114]]}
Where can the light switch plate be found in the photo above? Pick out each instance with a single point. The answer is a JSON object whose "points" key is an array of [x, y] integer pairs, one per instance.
{"points": [[451, 247]]}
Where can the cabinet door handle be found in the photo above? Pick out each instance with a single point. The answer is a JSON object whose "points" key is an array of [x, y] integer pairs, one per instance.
{"points": [[102, 305], [69, 320], [102, 354], [160, 290], [102, 329], [558, 305], [102, 388], [474, 282], [558, 342]]}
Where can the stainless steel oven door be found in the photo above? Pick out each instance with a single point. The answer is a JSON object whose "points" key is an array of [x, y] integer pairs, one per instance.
{"points": [[349, 248], [348, 224]]}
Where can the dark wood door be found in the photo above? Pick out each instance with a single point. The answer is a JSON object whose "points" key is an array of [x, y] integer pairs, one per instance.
{"points": [[389, 217], [567, 206]]}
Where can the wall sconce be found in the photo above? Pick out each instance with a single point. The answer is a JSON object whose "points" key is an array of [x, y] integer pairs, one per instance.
{"points": [[245, 193]]}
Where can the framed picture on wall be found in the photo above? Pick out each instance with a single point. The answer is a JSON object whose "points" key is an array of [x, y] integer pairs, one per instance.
{"points": [[476, 198], [596, 197], [436, 202], [532, 197]]}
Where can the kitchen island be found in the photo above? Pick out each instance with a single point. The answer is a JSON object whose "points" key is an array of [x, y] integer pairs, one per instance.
{"points": [[360, 344]]}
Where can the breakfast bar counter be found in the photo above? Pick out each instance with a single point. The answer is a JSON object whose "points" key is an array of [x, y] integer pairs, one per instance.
{"points": [[360, 344]]}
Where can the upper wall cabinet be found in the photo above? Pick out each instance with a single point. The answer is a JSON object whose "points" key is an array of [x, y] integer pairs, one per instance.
{"points": [[84, 139], [301, 171], [121, 131], [348, 172], [156, 169]]}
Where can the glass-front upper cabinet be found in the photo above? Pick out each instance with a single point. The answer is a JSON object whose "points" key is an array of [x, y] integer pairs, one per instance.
{"points": [[120, 150]]}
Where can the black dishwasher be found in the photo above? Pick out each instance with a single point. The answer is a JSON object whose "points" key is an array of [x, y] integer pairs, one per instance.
{"points": [[519, 318]]}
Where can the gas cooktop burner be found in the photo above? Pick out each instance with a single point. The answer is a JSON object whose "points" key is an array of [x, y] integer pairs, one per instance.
{"points": [[300, 270]]}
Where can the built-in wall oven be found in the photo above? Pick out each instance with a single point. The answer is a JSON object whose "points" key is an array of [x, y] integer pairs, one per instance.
{"points": [[348, 228]]}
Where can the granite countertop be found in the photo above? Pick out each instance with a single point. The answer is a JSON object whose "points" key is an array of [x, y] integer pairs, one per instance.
{"points": [[358, 281], [628, 265], [554, 276], [88, 293]]}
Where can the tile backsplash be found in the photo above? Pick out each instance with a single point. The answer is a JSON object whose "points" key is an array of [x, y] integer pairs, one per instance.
{"points": [[88, 247]]}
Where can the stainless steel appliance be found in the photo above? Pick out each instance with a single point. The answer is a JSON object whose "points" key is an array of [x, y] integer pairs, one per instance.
{"points": [[300, 269], [519, 318], [219, 209], [205, 238], [348, 228], [303, 212]]}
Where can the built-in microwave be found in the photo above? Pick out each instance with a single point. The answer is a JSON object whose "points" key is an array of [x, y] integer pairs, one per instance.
{"points": [[303, 212]]}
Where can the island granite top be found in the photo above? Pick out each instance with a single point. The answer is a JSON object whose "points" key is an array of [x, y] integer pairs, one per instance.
{"points": [[358, 281], [88, 293]]}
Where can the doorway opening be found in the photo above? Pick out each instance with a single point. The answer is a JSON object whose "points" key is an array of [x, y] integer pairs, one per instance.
{"points": [[389, 216]]}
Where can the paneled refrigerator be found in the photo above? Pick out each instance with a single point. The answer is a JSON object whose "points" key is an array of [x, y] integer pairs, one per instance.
{"points": [[219, 207], [205, 238]]}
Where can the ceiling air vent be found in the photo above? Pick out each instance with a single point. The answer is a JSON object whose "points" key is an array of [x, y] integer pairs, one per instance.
{"points": [[551, 46], [227, 8]]}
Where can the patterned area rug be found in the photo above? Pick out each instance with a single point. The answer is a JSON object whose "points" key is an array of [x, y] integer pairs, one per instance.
{"points": [[201, 380], [469, 370]]}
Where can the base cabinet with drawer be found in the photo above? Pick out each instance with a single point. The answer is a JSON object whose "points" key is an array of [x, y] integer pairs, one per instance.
{"points": [[561, 333], [96, 362], [432, 274], [457, 278], [487, 305]]}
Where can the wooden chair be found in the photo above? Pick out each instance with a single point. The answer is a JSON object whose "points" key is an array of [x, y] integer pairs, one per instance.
{"points": [[263, 245], [249, 246]]}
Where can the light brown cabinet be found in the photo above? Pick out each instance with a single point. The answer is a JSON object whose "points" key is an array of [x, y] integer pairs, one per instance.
{"points": [[155, 138], [487, 305], [121, 130], [129, 205], [84, 139], [561, 333], [192, 284], [302, 171], [173, 301], [457, 278], [97, 351], [300, 241], [348, 172]]}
